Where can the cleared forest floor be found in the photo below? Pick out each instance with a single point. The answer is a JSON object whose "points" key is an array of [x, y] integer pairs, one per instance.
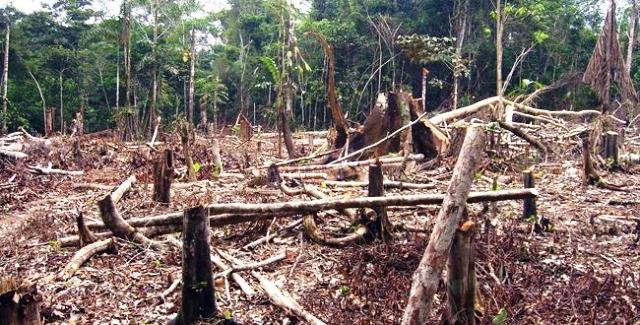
{"points": [[584, 269]]}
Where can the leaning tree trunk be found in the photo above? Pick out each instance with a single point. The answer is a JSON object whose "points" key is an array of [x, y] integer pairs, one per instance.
{"points": [[427, 276]]}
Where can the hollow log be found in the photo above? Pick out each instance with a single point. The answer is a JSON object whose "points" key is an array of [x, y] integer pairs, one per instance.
{"points": [[163, 170], [198, 300], [426, 277]]}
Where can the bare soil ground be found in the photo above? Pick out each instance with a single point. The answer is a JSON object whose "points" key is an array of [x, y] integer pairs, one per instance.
{"points": [[584, 269]]}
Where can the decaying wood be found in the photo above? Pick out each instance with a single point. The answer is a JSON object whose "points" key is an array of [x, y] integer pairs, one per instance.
{"points": [[272, 235], [426, 277], [13, 154], [83, 255], [198, 295], [19, 302], [119, 191], [322, 238]]}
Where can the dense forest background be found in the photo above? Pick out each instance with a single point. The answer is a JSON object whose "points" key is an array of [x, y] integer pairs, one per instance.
{"points": [[73, 58]]}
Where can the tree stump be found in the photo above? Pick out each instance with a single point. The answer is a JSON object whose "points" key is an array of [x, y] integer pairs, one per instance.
{"points": [[48, 123], [380, 227], [198, 300], [19, 302], [162, 177], [461, 277], [611, 149], [529, 206]]}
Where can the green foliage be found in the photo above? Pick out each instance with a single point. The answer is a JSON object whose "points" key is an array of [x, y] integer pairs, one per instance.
{"points": [[500, 318]]}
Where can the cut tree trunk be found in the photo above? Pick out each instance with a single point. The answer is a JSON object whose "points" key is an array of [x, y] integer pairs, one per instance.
{"points": [[163, 170], [85, 235], [19, 302], [381, 226], [529, 206], [461, 277], [198, 300], [426, 277], [611, 149]]}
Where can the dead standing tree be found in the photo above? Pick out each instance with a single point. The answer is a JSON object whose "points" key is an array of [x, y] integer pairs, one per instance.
{"points": [[607, 66]]}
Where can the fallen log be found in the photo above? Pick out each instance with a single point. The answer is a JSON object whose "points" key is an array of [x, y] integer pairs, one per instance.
{"points": [[427, 276], [387, 185], [586, 115], [50, 171], [278, 297], [83, 255], [333, 165], [464, 111], [308, 207], [272, 235], [240, 281], [252, 266]]}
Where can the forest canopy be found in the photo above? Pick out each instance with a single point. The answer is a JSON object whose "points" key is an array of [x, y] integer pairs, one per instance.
{"points": [[136, 62]]}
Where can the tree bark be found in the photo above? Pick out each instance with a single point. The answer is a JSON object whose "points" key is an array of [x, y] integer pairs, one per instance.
{"points": [[198, 300], [633, 20], [425, 279], [5, 77], [611, 149], [192, 74]]}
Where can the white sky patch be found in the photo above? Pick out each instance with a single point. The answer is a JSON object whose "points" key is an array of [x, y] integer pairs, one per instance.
{"points": [[111, 7]]}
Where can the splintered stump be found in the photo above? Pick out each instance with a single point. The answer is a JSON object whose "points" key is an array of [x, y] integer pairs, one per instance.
{"points": [[529, 207], [84, 234], [380, 227], [198, 299], [162, 177], [461, 277], [19, 302]]}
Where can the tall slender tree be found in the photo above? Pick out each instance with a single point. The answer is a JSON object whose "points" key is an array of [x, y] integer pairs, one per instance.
{"points": [[5, 75]]}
